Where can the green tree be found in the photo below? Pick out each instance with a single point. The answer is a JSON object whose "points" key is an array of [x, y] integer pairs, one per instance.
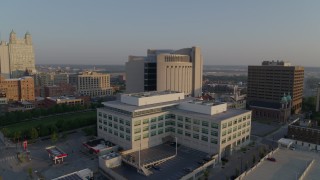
{"points": [[16, 136], [253, 159], [30, 171], [54, 137], [33, 134]]}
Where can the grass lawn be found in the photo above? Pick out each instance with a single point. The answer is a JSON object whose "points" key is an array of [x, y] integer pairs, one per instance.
{"points": [[48, 121]]}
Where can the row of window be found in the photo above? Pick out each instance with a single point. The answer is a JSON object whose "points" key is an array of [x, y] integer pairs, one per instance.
{"points": [[235, 121]]}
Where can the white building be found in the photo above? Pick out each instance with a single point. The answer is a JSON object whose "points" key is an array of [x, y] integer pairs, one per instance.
{"points": [[152, 118]]}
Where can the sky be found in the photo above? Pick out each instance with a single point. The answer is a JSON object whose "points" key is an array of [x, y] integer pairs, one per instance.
{"points": [[229, 32]]}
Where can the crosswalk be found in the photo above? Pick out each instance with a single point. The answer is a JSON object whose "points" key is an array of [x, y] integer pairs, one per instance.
{"points": [[8, 158]]}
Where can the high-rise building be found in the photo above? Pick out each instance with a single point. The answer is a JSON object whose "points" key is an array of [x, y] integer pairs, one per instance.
{"points": [[275, 90], [17, 56], [93, 84], [143, 120], [318, 99], [19, 89], [175, 70]]}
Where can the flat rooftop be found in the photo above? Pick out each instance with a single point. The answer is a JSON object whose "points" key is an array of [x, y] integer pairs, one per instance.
{"points": [[171, 169], [151, 93], [289, 165]]}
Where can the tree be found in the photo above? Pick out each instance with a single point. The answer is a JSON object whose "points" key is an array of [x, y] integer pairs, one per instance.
{"points": [[33, 134], [206, 174], [253, 159], [54, 137], [30, 171], [16, 135]]}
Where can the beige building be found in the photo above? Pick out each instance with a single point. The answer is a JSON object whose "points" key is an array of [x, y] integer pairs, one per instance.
{"points": [[17, 56], [175, 70], [93, 84], [152, 118]]}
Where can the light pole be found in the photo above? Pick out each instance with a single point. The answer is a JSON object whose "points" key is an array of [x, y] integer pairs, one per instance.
{"points": [[176, 145]]}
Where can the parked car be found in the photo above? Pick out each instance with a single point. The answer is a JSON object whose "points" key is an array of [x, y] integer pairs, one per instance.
{"points": [[187, 170], [271, 159], [155, 167]]}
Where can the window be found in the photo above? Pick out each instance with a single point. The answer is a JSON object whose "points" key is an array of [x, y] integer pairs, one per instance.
{"points": [[145, 121], [223, 141], [137, 123], [167, 123], [204, 138], [180, 118], [105, 122], [214, 141], [110, 124], [121, 135], [188, 120], [160, 118], [167, 116], [224, 125], [153, 119], [121, 128], [121, 121], [160, 125], [128, 130], [105, 129], [127, 123], [160, 131], [110, 131], [100, 114], [179, 124], [115, 119], [153, 126], [248, 123], [100, 121], [195, 136], [137, 130], [235, 121], [204, 131], [153, 133], [187, 126], [229, 123], [136, 138], [180, 131], [205, 123], [196, 129], [235, 129], [234, 136], [100, 127], [214, 126], [214, 133], [109, 117], [224, 133], [146, 128], [115, 133], [188, 134], [128, 138], [229, 138], [196, 121], [248, 116], [116, 126], [145, 135], [229, 130]]}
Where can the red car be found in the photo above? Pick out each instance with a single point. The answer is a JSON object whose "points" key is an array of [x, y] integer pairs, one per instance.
{"points": [[271, 159]]}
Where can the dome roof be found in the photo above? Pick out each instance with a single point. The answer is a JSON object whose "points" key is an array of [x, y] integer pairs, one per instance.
{"points": [[289, 97], [284, 99]]}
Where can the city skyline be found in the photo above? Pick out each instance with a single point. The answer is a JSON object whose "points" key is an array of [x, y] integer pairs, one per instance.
{"points": [[104, 33]]}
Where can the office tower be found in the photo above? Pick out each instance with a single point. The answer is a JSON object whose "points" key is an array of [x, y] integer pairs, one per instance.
{"points": [[93, 84], [318, 99], [17, 56], [175, 70], [19, 89], [143, 120], [275, 90]]}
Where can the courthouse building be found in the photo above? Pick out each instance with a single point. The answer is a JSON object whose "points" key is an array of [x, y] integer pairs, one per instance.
{"points": [[152, 118]]}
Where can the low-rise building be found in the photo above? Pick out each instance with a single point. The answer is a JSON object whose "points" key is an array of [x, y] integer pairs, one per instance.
{"points": [[68, 100], [59, 90], [18, 89], [304, 130], [143, 120]]}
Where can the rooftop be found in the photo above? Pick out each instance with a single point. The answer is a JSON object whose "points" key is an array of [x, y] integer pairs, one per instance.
{"points": [[289, 165], [150, 94]]}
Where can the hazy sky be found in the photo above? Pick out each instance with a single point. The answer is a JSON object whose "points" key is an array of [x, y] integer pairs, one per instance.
{"points": [[229, 32]]}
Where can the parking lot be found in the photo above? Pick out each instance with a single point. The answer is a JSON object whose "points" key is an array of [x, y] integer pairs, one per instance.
{"points": [[41, 165], [174, 168]]}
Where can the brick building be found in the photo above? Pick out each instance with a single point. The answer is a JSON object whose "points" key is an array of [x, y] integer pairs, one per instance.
{"points": [[19, 89]]}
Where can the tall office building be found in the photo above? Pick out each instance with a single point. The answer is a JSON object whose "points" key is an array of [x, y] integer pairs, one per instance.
{"points": [[318, 99], [275, 90], [17, 56], [19, 89], [175, 70]]}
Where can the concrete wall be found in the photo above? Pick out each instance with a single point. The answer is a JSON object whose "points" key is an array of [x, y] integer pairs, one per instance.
{"points": [[204, 109], [135, 76], [154, 99]]}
